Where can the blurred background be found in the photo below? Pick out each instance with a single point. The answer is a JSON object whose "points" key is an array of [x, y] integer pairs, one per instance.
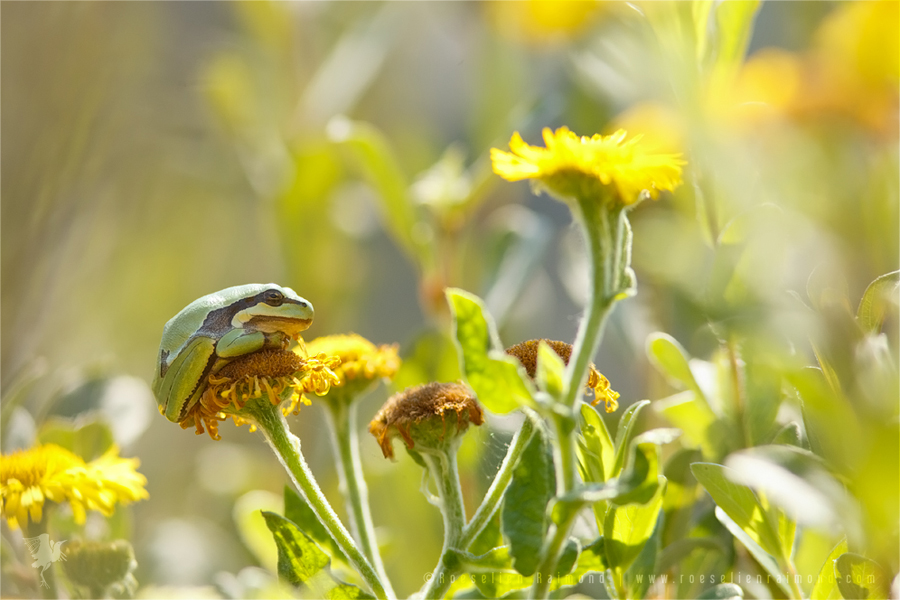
{"points": [[158, 152]]}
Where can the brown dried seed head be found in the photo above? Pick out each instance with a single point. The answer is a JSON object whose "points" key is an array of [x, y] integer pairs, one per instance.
{"points": [[414, 412], [527, 353], [266, 363]]}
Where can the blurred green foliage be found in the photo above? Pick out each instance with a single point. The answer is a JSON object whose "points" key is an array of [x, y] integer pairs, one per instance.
{"points": [[155, 152]]}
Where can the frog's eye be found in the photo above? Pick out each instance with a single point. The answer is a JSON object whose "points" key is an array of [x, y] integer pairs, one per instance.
{"points": [[274, 298]]}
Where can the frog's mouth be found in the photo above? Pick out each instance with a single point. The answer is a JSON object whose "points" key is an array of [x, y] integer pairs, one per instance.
{"points": [[271, 324]]}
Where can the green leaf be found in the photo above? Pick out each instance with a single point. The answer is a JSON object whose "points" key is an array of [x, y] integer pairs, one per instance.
{"points": [[873, 306], [524, 520], [88, 440], [638, 482], [495, 376], [298, 511], [734, 25], [569, 557], [723, 591], [550, 371], [694, 416], [302, 562], [679, 550], [671, 359], [492, 572], [627, 527], [595, 447], [789, 435], [795, 480], [700, 10], [768, 562], [626, 530], [637, 578], [592, 558], [739, 503], [299, 559], [826, 587], [860, 577], [624, 434]]}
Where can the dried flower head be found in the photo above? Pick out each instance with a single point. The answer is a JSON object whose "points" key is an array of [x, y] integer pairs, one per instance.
{"points": [[420, 416], [279, 375], [587, 167], [362, 362], [527, 353], [28, 478]]}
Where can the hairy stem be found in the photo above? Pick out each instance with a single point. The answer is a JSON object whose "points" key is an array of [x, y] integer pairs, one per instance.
{"points": [[287, 447], [342, 420], [445, 572], [446, 476], [606, 233]]}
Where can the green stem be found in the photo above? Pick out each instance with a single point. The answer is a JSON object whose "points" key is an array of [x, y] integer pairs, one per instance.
{"points": [[287, 447], [342, 420], [446, 476], [445, 572], [606, 233], [603, 230], [792, 579], [540, 588]]}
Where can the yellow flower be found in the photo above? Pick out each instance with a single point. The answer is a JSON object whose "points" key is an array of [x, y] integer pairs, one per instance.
{"points": [[362, 362], [281, 375], [527, 353], [28, 478], [583, 167]]}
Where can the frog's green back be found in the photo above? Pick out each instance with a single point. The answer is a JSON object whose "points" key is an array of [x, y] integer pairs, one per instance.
{"points": [[187, 322]]}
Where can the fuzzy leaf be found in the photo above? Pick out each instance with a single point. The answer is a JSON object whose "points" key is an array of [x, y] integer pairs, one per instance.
{"points": [[298, 511], [595, 447], [302, 562], [490, 372], [624, 433], [740, 503], [523, 519], [627, 529]]}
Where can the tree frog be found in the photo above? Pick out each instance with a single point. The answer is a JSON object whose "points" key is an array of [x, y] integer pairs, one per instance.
{"points": [[214, 330]]}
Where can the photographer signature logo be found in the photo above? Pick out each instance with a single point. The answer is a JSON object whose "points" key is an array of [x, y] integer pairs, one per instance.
{"points": [[44, 552]]}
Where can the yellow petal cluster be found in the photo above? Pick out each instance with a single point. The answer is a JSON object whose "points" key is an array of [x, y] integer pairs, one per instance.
{"points": [[28, 478], [581, 167], [360, 358], [279, 375]]}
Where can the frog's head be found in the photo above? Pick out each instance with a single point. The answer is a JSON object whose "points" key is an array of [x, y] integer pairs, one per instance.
{"points": [[273, 309]]}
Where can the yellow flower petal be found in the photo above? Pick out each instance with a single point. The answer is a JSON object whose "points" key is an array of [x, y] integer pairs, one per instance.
{"points": [[570, 165], [31, 477]]}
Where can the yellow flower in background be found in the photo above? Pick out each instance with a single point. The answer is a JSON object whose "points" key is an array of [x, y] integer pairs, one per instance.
{"points": [[597, 166], [543, 21], [29, 478], [361, 361]]}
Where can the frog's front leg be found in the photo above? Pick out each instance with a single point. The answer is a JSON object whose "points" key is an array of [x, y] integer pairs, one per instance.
{"points": [[239, 342]]}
